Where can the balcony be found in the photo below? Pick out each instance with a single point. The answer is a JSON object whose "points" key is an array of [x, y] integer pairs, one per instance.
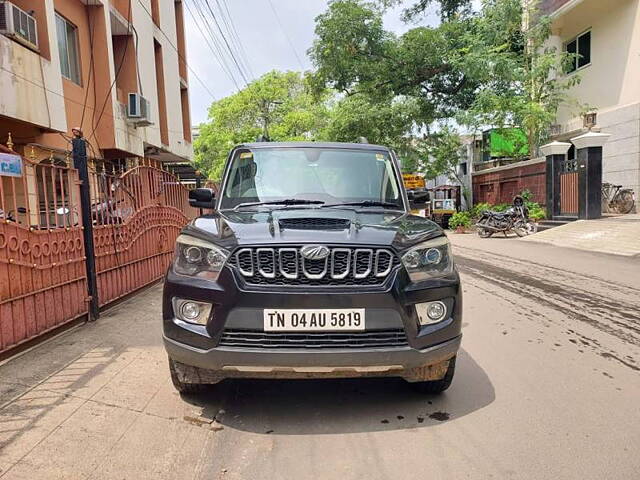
{"points": [[35, 87]]}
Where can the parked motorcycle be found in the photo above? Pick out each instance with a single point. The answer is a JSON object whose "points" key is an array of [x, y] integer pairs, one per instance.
{"points": [[514, 219]]}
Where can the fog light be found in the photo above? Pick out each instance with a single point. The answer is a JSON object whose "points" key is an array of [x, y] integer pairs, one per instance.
{"points": [[191, 311], [431, 312]]}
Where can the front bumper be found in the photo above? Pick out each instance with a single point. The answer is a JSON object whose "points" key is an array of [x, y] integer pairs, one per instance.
{"points": [[235, 307]]}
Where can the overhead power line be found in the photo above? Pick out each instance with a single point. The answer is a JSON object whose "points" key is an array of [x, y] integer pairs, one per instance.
{"points": [[211, 41], [227, 18], [295, 52], [226, 42], [213, 97]]}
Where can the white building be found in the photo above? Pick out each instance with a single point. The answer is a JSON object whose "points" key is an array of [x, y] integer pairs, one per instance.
{"points": [[606, 35]]}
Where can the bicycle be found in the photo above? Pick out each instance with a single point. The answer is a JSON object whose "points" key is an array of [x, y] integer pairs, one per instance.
{"points": [[616, 199]]}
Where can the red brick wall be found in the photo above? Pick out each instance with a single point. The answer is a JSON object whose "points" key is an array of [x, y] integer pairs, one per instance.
{"points": [[502, 185]]}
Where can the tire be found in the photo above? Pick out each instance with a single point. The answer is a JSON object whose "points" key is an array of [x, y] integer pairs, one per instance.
{"points": [[624, 202], [520, 230], [437, 386], [484, 233], [531, 228], [181, 387]]}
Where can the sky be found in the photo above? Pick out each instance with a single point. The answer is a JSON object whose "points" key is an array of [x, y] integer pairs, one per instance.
{"points": [[266, 45]]}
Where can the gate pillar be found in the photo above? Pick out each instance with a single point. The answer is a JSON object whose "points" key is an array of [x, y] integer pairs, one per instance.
{"points": [[555, 153], [589, 154]]}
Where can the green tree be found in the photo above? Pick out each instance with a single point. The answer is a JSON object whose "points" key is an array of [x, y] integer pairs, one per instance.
{"points": [[278, 105], [381, 122], [354, 54], [520, 76]]}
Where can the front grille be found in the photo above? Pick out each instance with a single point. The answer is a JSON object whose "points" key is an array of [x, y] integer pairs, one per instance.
{"points": [[258, 339], [344, 266]]}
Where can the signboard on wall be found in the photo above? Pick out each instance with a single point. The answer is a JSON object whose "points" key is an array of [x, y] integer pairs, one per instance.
{"points": [[10, 165], [413, 181]]}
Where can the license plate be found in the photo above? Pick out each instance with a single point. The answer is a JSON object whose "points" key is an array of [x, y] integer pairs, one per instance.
{"points": [[313, 320]]}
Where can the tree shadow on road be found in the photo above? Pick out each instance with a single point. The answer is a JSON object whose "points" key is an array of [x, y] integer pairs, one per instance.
{"points": [[301, 407]]}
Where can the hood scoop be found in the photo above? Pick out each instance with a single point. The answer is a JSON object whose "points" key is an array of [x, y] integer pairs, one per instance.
{"points": [[303, 223]]}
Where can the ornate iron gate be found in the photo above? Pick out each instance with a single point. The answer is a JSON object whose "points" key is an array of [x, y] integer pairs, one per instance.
{"points": [[136, 215], [42, 272]]}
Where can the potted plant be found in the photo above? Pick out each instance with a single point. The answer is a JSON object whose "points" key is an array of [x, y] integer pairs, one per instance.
{"points": [[460, 222]]}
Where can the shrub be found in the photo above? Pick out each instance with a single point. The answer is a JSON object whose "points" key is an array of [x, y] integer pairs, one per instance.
{"points": [[460, 219], [478, 208], [536, 212], [501, 207]]}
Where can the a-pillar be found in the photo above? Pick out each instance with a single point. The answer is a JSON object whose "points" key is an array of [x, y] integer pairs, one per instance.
{"points": [[555, 153], [589, 154]]}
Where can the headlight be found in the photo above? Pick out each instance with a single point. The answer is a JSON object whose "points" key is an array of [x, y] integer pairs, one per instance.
{"points": [[429, 259], [198, 258]]}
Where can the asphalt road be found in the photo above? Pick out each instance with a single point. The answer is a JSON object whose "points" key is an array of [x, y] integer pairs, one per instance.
{"points": [[547, 387]]}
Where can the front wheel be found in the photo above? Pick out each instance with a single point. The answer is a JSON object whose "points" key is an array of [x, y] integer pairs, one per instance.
{"points": [[484, 233], [623, 203], [437, 386], [180, 386], [520, 229]]}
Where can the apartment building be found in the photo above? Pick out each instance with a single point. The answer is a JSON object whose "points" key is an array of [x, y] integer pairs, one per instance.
{"points": [[606, 37], [114, 68]]}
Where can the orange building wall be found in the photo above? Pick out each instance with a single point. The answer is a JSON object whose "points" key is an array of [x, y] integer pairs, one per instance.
{"points": [[39, 12], [94, 83]]}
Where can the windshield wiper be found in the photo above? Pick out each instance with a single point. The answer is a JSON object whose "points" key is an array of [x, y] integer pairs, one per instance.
{"points": [[365, 203], [286, 201]]}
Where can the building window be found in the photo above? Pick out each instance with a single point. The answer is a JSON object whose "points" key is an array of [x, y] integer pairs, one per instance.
{"points": [[463, 168], [580, 48], [68, 48]]}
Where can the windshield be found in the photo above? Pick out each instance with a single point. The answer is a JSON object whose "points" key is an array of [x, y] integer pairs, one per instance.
{"points": [[323, 175]]}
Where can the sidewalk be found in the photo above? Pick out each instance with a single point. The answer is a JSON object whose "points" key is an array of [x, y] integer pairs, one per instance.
{"points": [[97, 403], [619, 235]]}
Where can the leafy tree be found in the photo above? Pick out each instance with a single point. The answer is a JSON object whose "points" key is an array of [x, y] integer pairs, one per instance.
{"points": [[520, 77], [491, 68], [444, 150], [278, 105], [449, 9], [386, 122], [354, 54]]}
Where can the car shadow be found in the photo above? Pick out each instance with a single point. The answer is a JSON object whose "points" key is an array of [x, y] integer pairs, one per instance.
{"points": [[302, 407]]}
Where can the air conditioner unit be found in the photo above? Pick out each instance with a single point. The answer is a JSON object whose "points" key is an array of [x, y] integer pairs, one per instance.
{"points": [[18, 25], [139, 110]]}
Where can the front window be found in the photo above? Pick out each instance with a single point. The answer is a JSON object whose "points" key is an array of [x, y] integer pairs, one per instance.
{"points": [[67, 34], [324, 175]]}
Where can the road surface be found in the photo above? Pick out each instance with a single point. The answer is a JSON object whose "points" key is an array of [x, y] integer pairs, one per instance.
{"points": [[547, 387]]}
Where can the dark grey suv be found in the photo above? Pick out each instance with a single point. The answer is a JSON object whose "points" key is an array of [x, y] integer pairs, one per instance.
{"points": [[310, 266]]}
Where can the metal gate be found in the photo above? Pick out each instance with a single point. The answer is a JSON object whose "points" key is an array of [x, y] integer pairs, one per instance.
{"points": [[42, 272], [569, 188], [136, 215]]}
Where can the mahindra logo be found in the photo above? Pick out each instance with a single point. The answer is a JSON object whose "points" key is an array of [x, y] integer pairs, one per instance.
{"points": [[314, 252]]}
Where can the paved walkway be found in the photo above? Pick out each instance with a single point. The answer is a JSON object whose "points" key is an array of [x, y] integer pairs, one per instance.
{"points": [[616, 235]]}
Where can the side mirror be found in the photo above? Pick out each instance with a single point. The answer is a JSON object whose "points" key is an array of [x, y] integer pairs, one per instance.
{"points": [[202, 198], [417, 199]]}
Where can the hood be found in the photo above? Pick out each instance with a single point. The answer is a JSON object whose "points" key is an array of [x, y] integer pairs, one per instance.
{"points": [[330, 226]]}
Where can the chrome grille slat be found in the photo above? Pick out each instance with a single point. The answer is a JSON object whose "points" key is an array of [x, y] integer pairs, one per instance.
{"points": [[285, 266], [313, 340]]}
